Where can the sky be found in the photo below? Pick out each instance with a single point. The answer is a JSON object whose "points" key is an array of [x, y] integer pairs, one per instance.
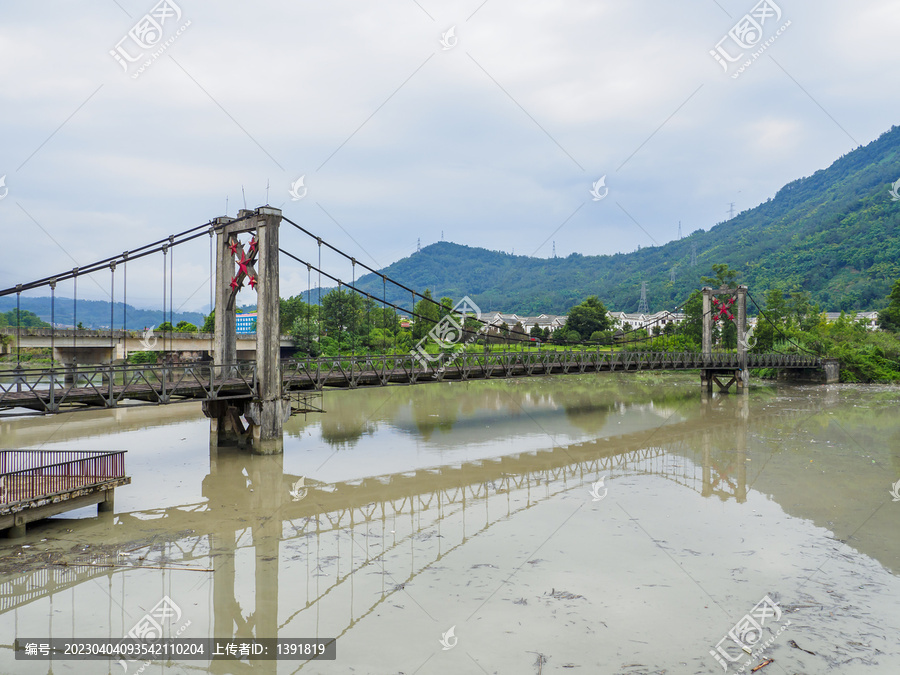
{"points": [[594, 124]]}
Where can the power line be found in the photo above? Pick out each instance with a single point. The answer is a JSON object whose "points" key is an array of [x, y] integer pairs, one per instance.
{"points": [[134, 254]]}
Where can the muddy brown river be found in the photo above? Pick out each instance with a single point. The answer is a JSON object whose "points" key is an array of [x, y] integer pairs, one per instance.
{"points": [[580, 524]]}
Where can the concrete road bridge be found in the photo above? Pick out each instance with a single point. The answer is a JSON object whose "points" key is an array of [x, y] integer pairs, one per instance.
{"points": [[95, 347]]}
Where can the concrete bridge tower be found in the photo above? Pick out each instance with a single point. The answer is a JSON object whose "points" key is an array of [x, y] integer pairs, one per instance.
{"points": [[256, 263], [734, 309]]}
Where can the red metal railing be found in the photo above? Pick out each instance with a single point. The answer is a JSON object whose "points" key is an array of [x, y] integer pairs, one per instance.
{"points": [[32, 474]]}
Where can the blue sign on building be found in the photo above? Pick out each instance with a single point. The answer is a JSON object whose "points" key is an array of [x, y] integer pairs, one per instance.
{"points": [[245, 323]]}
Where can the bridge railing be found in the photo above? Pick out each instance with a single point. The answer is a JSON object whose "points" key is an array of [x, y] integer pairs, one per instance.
{"points": [[32, 474], [358, 370], [50, 390]]}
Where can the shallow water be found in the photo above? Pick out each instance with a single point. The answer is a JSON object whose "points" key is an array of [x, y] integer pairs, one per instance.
{"points": [[478, 507]]}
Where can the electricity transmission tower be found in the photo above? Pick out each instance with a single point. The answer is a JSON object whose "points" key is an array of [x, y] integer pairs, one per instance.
{"points": [[693, 255], [672, 273], [554, 249], [731, 210], [643, 308], [679, 229], [418, 244]]}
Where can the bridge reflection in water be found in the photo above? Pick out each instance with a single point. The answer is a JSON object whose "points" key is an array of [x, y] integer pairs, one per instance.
{"points": [[326, 556]]}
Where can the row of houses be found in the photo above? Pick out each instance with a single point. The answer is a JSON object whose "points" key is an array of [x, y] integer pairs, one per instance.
{"points": [[554, 322], [634, 320]]}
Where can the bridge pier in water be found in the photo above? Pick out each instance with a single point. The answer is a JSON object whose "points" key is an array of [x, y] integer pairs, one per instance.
{"points": [[828, 373], [265, 413]]}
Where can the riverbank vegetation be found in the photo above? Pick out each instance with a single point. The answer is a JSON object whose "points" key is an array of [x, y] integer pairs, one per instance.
{"points": [[787, 323]]}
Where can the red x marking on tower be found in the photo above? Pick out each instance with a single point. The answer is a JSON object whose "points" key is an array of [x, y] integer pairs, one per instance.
{"points": [[245, 268]]}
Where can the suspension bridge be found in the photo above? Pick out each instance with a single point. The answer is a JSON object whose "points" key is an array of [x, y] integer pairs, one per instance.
{"points": [[248, 399]]}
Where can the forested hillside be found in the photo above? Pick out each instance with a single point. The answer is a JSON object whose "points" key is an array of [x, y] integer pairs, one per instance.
{"points": [[834, 234]]}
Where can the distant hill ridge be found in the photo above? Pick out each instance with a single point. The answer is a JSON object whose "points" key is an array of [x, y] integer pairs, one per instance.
{"points": [[95, 313], [834, 234]]}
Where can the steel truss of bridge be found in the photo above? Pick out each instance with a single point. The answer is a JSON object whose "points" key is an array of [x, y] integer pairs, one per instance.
{"points": [[54, 390]]}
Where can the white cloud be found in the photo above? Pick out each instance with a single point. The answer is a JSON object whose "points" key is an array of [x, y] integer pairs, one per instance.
{"points": [[288, 84]]}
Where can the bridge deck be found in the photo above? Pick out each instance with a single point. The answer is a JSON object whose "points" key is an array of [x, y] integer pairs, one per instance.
{"points": [[109, 386]]}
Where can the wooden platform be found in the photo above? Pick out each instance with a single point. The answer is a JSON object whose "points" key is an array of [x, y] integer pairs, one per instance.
{"points": [[37, 484]]}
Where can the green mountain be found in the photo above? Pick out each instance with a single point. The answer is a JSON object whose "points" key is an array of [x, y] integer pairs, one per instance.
{"points": [[93, 313], [834, 234]]}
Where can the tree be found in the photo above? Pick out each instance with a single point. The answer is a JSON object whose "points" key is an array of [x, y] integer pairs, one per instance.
{"points": [[386, 318], [446, 306], [770, 322], [428, 315], [889, 317], [504, 332], [570, 336], [803, 312], [725, 276], [291, 309], [209, 323], [305, 333], [588, 317], [341, 312], [536, 332], [474, 328], [28, 319], [692, 326], [185, 327], [564, 336], [518, 332]]}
